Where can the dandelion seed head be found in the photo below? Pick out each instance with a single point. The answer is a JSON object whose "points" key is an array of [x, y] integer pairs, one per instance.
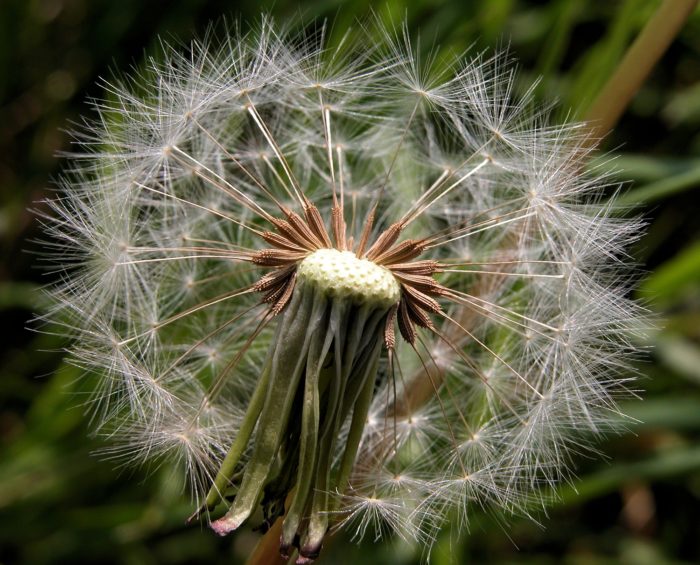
{"points": [[341, 285]]}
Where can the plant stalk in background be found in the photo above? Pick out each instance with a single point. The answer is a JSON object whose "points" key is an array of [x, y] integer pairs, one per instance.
{"points": [[638, 62]]}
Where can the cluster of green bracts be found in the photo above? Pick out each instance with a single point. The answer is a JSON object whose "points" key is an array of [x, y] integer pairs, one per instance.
{"points": [[294, 449]]}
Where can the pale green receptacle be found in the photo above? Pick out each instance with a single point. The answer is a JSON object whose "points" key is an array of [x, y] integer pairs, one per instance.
{"points": [[342, 274]]}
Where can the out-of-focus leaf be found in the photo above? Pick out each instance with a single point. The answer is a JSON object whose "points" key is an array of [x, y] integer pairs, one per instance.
{"points": [[661, 189], [674, 277], [673, 412], [643, 168], [684, 106], [681, 355], [22, 295], [57, 410], [665, 464], [563, 17]]}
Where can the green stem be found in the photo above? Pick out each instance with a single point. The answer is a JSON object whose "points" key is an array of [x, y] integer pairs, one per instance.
{"points": [[245, 431], [359, 419], [309, 436], [228, 467], [288, 362], [357, 363], [317, 521]]}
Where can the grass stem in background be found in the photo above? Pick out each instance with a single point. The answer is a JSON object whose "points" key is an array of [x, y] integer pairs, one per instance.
{"points": [[636, 65]]}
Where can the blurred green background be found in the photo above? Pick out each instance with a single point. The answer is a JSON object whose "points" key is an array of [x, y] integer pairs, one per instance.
{"points": [[640, 503]]}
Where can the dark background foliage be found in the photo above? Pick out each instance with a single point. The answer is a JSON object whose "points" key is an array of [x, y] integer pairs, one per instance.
{"points": [[640, 503]]}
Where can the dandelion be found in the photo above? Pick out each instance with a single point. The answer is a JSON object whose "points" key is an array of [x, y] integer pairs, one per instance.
{"points": [[339, 287]]}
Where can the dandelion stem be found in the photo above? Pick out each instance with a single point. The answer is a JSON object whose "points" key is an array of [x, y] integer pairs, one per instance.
{"points": [[357, 426], [245, 430], [287, 364], [359, 349], [321, 342]]}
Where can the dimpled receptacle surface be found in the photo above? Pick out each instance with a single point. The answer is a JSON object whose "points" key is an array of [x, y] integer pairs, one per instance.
{"points": [[341, 274]]}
